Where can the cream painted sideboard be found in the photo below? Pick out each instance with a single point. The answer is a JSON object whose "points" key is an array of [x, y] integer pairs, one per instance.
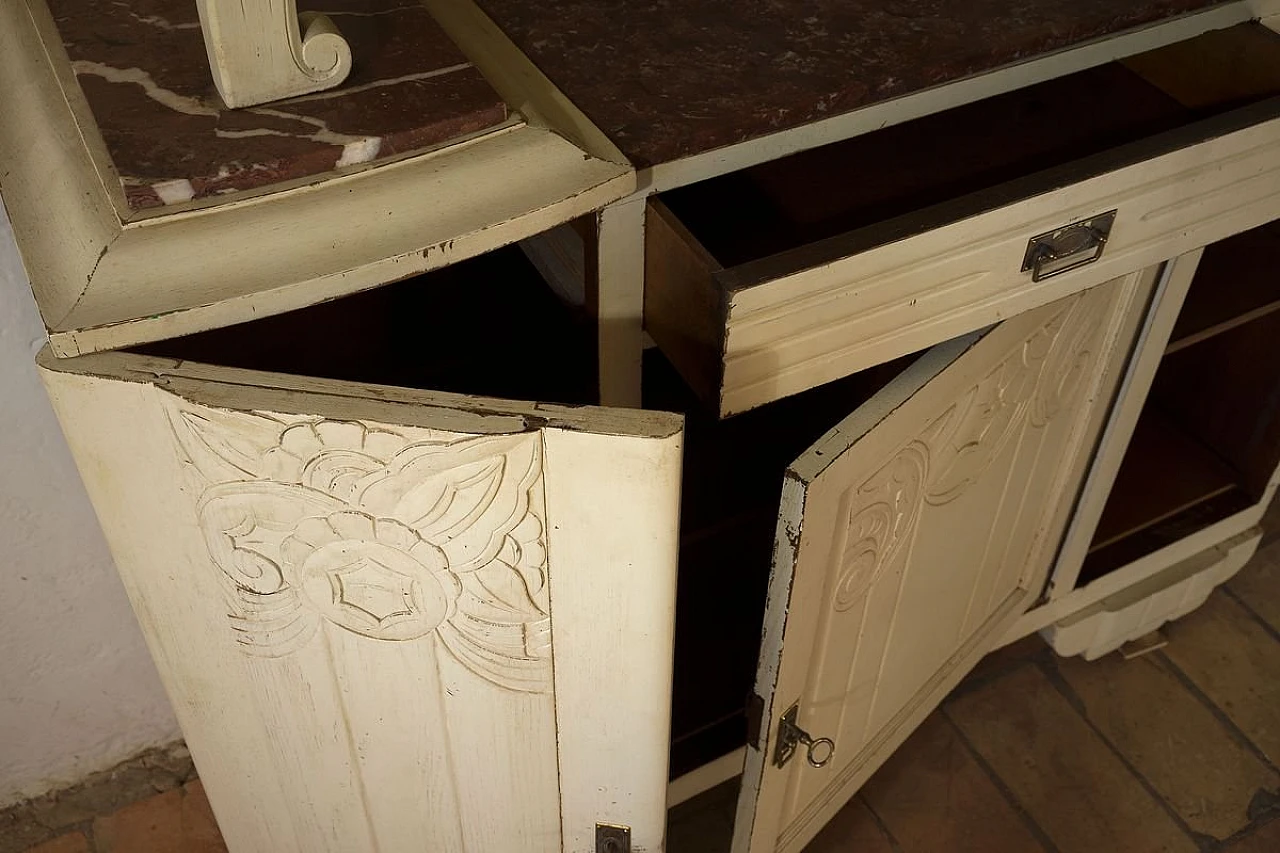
{"points": [[411, 558]]}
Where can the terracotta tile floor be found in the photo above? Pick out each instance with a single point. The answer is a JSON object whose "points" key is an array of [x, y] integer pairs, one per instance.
{"points": [[1173, 751]]}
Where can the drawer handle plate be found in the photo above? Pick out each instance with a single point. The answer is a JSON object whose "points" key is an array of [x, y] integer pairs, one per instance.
{"points": [[1069, 247]]}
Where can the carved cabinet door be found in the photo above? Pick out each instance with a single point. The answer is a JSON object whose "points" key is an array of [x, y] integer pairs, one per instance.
{"points": [[909, 539], [390, 620]]}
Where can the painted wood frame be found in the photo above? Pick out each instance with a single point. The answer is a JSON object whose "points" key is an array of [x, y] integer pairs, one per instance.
{"points": [[914, 534], [261, 51], [387, 619], [1063, 597], [104, 280]]}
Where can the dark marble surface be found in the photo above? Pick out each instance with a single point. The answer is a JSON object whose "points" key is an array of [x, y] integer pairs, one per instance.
{"points": [[666, 79], [143, 69]]}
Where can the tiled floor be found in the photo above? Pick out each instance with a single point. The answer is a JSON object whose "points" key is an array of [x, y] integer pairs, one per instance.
{"points": [[1174, 751]]}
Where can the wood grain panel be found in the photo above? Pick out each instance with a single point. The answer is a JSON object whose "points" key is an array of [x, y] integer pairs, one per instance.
{"points": [[1235, 661], [933, 795], [683, 307], [1060, 771], [1187, 755]]}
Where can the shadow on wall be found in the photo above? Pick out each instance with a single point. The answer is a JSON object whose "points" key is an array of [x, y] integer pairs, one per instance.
{"points": [[78, 691]]}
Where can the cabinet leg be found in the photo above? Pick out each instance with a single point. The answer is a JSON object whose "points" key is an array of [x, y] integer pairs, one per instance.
{"points": [[619, 301]]}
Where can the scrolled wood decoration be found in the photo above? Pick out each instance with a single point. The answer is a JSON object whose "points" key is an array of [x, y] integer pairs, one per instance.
{"points": [[1031, 384], [262, 50]]}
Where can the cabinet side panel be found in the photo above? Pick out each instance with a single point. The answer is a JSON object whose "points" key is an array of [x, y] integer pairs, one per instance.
{"points": [[114, 430], [613, 511]]}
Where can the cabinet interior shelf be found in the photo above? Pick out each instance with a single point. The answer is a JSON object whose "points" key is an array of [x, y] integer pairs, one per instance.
{"points": [[1208, 440], [1237, 283]]}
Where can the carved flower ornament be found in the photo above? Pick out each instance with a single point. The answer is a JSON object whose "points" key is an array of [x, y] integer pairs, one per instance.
{"points": [[381, 533]]}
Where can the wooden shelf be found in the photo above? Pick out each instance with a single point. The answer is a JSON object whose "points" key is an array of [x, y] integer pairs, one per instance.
{"points": [[1237, 282], [1169, 486], [1165, 472]]}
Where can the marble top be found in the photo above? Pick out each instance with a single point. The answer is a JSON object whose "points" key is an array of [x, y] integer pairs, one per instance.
{"points": [[144, 72], [666, 79]]}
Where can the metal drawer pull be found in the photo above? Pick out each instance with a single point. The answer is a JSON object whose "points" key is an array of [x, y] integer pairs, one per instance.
{"points": [[817, 751], [1071, 246]]}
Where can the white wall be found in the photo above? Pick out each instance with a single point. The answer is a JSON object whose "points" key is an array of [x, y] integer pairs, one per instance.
{"points": [[78, 692]]}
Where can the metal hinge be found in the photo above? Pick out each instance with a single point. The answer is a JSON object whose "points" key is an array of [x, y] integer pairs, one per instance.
{"points": [[790, 736], [611, 838]]}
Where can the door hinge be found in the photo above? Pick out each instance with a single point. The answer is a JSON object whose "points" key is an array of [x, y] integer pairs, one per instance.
{"points": [[818, 751], [611, 838]]}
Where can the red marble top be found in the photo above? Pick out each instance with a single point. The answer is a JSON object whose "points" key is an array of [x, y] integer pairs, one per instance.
{"points": [[665, 79], [144, 72]]}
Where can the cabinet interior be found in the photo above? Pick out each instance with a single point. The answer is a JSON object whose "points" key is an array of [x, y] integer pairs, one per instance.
{"points": [[492, 326], [487, 326], [1208, 439], [914, 176]]}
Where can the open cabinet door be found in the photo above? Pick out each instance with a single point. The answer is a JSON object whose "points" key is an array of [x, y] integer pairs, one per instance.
{"points": [[911, 536], [392, 620]]}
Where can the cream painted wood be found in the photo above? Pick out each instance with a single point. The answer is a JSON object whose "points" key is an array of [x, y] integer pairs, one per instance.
{"points": [[620, 301], [731, 158], [50, 175], [378, 612], [1175, 281], [1142, 608], [1064, 599], [105, 282], [914, 533], [613, 606], [811, 326], [261, 52]]}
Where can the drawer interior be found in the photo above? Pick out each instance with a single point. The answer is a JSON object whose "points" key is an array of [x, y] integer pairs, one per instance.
{"points": [[1208, 440], [919, 165]]}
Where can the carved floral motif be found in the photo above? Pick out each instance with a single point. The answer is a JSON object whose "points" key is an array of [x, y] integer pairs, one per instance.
{"points": [[1032, 383], [387, 534], [881, 516]]}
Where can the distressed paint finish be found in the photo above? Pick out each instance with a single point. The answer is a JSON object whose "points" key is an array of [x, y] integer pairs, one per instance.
{"points": [[913, 535], [351, 595], [171, 139], [674, 78]]}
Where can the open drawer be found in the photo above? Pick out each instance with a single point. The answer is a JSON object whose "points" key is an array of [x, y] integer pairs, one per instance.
{"points": [[778, 278]]}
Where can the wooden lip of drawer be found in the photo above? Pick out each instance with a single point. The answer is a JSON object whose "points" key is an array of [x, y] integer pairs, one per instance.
{"points": [[767, 328]]}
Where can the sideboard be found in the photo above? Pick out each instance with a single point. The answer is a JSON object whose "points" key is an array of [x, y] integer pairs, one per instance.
{"points": [[589, 405]]}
